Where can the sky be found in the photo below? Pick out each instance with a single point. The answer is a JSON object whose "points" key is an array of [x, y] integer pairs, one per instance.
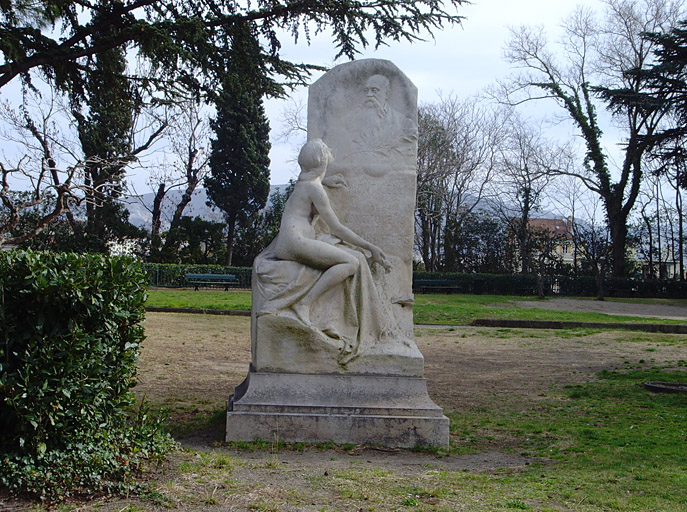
{"points": [[460, 60]]}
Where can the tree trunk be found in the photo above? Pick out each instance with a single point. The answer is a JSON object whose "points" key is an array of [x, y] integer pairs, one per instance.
{"points": [[600, 284], [231, 228], [183, 202], [661, 270], [618, 226], [522, 241], [155, 241], [651, 245], [680, 233]]}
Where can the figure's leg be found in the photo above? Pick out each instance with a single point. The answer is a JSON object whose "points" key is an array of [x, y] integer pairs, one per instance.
{"points": [[339, 266]]}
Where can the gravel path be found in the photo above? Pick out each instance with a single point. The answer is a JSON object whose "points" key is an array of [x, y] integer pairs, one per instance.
{"points": [[610, 308]]}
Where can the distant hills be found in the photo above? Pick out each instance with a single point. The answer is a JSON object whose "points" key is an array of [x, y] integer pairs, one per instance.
{"points": [[140, 207]]}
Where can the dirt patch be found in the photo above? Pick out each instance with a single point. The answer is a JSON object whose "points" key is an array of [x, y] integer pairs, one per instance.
{"points": [[198, 360], [668, 312], [194, 361]]}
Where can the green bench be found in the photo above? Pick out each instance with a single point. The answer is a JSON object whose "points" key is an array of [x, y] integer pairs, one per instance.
{"points": [[226, 280], [437, 286]]}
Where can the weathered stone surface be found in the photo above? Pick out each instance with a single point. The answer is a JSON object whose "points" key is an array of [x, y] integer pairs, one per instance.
{"points": [[391, 411], [371, 126], [366, 113], [333, 355], [292, 346]]}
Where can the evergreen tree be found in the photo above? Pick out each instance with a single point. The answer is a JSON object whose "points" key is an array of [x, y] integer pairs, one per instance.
{"points": [[665, 91], [254, 236], [203, 241], [104, 111], [182, 44], [239, 160], [181, 38]]}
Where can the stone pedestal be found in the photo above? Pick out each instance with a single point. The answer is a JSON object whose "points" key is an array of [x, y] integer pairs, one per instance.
{"points": [[385, 410]]}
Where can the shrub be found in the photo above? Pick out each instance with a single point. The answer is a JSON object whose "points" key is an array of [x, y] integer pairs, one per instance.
{"points": [[69, 342]]}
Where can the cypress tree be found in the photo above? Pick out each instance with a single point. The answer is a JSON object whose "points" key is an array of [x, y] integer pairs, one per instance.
{"points": [[239, 161]]}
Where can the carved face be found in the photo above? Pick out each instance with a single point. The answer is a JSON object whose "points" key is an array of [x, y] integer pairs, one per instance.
{"points": [[376, 91]]}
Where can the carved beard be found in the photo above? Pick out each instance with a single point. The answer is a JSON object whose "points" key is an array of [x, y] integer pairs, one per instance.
{"points": [[373, 106]]}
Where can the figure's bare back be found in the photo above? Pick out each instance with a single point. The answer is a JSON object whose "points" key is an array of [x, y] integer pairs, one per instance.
{"points": [[296, 240]]}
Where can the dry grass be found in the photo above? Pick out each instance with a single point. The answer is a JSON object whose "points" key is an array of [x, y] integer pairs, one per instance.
{"points": [[491, 382]]}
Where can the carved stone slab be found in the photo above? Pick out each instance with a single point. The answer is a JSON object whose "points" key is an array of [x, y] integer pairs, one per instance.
{"points": [[375, 149], [345, 368]]}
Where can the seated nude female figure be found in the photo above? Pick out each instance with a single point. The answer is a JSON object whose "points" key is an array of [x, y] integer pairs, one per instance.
{"points": [[297, 240]]}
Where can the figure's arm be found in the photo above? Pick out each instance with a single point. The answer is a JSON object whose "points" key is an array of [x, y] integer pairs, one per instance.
{"points": [[324, 208], [335, 181]]}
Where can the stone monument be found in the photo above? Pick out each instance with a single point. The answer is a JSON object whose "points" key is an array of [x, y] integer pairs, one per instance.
{"points": [[333, 356]]}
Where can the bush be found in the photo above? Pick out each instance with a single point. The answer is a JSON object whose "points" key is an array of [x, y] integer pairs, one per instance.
{"points": [[69, 343]]}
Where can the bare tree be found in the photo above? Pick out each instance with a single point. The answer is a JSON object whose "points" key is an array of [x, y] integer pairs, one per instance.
{"points": [[45, 166], [527, 163], [596, 53], [188, 137], [456, 156]]}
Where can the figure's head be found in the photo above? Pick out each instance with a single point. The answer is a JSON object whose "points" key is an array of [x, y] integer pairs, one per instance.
{"points": [[377, 90], [314, 155]]}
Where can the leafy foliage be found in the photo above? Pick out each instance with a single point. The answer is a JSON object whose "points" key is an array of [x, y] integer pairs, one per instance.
{"points": [[665, 91], [203, 241], [70, 336], [256, 234]]}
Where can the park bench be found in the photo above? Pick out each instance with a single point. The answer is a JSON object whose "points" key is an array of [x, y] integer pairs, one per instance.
{"points": [[226, 280], [437, 286]]}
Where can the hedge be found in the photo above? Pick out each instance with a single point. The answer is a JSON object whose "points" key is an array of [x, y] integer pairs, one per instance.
{"points": [[172, 275], [70, 337], [570, 286]]}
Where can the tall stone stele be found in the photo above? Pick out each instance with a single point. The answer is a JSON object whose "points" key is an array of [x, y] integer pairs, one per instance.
{"points": [[333, 356]]}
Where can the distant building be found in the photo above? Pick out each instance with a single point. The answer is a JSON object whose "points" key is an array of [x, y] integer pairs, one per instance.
{"points": [[561, 229], [560, 233]]}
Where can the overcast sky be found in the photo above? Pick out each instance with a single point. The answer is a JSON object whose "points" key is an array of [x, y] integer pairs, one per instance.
{"points": [[460, 60]]}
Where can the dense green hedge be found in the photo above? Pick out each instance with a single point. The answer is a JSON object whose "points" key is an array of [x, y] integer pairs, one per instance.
{"points": [[171, 275], [582, 286], [69, 342], [489, 284]]}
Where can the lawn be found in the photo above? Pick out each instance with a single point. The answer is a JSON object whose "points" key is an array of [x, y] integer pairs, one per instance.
{"points": [[203, 299], [540, 420], [429, 308]]}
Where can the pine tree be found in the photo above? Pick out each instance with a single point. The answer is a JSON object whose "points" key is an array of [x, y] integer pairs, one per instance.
{"points": [[105, 116], [239, 161]]}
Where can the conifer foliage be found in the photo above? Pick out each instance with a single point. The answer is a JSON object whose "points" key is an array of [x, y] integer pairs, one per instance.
{"points": [[239, 161]]}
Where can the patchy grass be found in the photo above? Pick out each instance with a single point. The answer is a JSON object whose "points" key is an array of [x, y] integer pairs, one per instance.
{"points": [[540, 421], [203, 299], [462, 309], [429, 308]]}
